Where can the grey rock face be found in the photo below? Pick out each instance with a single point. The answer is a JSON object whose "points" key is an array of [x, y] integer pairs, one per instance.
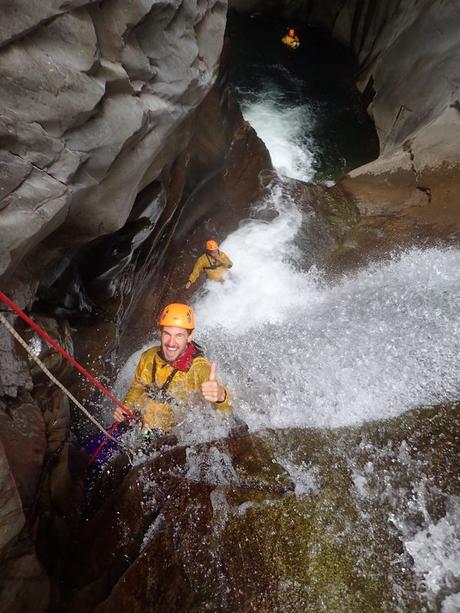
{"points": [[22, 16], [411, 52], [90, 93], [14, 372]]}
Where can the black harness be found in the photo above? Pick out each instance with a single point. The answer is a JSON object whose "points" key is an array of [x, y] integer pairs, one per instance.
{"points": [[212, 264]]}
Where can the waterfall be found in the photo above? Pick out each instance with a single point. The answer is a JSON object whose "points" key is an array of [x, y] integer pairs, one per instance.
{"points": [[299, 351]]}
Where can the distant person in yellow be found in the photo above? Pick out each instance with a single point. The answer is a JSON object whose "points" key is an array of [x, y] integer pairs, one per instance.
{"points": [[170, 372], [214, 263], [291, 39]]}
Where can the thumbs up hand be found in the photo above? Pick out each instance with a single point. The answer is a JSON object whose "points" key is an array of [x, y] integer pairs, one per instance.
{"points": [[211, 389]]}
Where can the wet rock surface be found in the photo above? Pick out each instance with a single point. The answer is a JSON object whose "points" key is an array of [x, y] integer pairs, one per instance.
{"points": [[24, 585], [172, 491], [42, 478], [12, 516], [175, 534], [106, 196]]}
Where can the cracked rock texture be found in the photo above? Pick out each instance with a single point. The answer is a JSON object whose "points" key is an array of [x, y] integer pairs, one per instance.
{"points": [[92, 98]]}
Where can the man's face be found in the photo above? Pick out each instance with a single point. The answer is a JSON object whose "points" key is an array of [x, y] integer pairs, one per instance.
{"points": [[214, 253], [174, 342]]}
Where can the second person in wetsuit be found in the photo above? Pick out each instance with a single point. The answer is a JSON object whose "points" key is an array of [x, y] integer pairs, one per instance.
{"points": [[214, 262]]}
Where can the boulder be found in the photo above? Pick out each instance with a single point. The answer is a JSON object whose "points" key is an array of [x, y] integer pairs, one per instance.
{"points": [[408, 197], [218, 526]]}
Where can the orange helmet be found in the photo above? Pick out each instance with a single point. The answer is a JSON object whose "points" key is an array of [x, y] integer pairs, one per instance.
{"points": [[178, 316], [212, 246], [291, 33]]}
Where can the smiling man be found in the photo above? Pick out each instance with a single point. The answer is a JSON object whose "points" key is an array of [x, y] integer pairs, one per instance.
{"points": [[172, 372]]}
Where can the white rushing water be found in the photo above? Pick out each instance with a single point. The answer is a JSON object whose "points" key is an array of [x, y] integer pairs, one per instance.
{"points": [[282, 127], [299, 352], [436, 554], [295, 350]]}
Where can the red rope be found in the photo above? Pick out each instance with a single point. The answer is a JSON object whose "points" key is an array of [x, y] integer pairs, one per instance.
{"points": [[64, 353], [74, 362]]}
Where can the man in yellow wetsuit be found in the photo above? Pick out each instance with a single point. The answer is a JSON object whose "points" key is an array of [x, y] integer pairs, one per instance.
{"points": [[291, 39], [172, 371], [214, 262]]}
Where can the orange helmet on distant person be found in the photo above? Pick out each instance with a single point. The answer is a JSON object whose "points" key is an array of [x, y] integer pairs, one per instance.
{"points": [[291, 33], [212, 246], [178, 316]]}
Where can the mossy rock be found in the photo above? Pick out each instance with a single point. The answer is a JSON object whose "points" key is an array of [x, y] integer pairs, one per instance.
{"points": [[253, 545], [312, 554]]}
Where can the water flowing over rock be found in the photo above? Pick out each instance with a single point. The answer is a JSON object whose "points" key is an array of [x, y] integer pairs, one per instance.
{"points": [[409, 194], [177, 533], [122, 149]]}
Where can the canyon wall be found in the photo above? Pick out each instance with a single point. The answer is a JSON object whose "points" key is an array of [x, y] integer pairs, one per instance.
{"points": [[96, 101], [114, 116], [93, 100]]}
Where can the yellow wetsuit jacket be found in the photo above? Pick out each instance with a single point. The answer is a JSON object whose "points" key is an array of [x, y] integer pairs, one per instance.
{"points": [[291, 41], [156, 383], [214, 269]]}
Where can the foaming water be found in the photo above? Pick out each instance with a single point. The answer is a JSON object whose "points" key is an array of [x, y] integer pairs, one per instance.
{"points": [[299, 352], [282, 127], [264, 256], [436, 554], [196, 421]]}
